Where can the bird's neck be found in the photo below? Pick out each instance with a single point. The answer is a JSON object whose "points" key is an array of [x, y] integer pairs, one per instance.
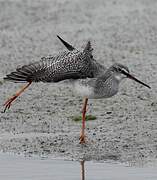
{"points": [[118, 77]]}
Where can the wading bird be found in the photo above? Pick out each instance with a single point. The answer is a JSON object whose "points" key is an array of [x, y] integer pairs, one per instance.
{"points": [[90, 79]]}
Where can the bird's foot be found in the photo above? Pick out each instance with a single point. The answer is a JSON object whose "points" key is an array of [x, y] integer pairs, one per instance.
{"points": [[8, 103], [82, 139]]}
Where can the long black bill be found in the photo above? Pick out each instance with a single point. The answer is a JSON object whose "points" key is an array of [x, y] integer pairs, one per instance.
{"points": [[133, 78]]}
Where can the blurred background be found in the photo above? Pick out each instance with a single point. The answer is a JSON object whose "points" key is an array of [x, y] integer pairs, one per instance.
{"points": [[122, 31]]}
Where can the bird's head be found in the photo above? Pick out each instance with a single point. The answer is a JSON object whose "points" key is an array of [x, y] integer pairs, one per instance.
{"points": [[120, 72]]}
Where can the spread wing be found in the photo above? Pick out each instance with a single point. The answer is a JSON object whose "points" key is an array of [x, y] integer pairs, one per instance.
{"points": [[97, 68], [66, 65]]}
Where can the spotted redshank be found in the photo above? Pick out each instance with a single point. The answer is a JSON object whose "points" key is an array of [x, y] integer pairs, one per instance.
{"points": [[90, 79]]}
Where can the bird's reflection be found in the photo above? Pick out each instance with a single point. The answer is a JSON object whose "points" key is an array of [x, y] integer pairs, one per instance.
{"points": [[82, 170]]}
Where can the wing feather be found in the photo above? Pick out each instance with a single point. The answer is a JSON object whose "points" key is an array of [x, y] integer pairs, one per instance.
{"points": [[67, 65]]}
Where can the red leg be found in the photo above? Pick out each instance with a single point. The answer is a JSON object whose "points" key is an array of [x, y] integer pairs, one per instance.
{"points": [[82, 136], [8, 103]]}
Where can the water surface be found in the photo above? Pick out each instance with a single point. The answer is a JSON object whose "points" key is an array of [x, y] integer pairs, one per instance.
{"points": [[13, 167]]}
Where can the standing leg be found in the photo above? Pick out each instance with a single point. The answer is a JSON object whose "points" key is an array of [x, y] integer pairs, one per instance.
{"points": [[82, 136]]}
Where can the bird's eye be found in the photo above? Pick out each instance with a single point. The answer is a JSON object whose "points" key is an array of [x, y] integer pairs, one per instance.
{"points": [[91, 56]]}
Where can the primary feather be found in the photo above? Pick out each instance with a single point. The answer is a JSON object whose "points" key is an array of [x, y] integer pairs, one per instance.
{"points": [[66, 65], [72, 64]]}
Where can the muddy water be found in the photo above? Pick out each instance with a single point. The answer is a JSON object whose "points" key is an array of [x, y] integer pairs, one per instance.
{"points": [[13, 167]]}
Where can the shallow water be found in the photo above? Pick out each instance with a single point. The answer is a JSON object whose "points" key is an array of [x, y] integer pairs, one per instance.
{"points": [[13, 167]]}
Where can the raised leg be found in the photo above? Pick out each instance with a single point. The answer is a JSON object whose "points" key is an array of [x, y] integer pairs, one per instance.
{"points": [[82, 136], [8, 103]]}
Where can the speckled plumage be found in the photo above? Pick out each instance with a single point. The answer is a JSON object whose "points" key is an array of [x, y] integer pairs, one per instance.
{"points": [[103, 86], [96, 68], [92, 78], [66, 65], [106, 84]]}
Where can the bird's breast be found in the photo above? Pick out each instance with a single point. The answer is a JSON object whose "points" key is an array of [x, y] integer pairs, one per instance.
{"points": [[106, 88]]}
